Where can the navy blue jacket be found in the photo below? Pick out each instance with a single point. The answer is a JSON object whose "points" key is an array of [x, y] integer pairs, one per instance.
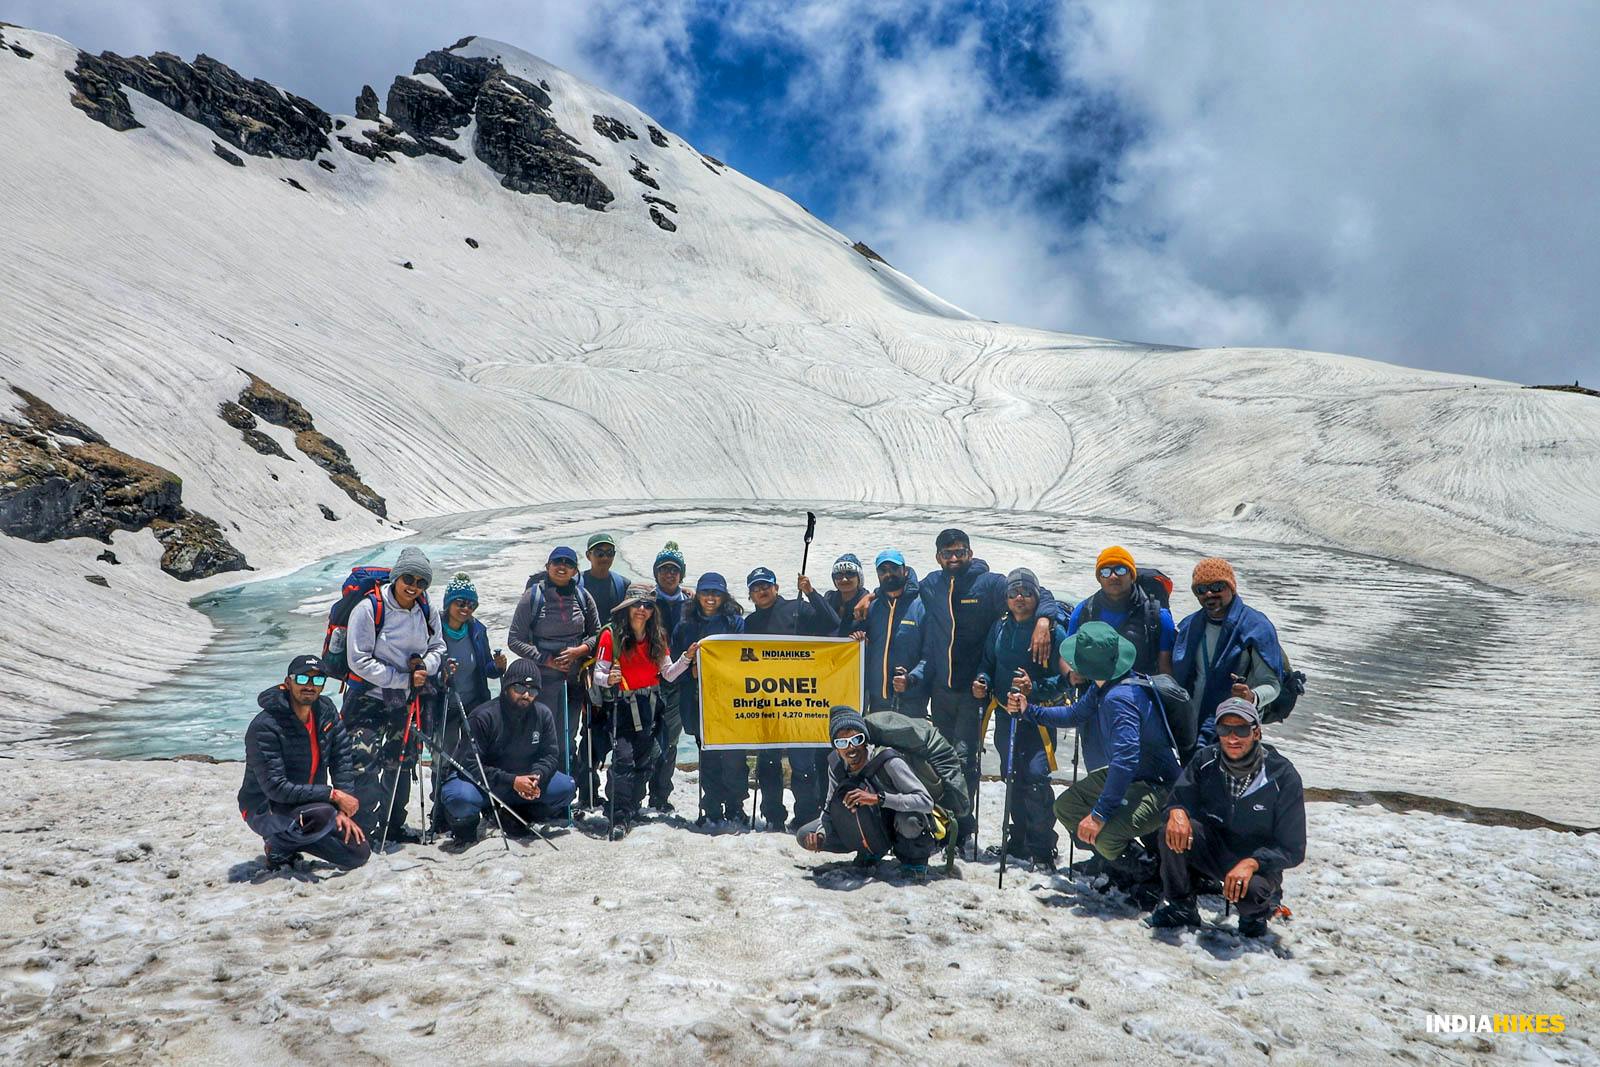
{"points": [[894, 628], [959, 615], [846, 612], [690, 629], [1009, 646], [486, 668], [1243, 627], [1122, 729], [1267, 824], [277, 756]]}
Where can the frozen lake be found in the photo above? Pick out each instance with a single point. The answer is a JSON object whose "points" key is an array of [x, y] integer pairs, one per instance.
{"points": [[1419, 680]]}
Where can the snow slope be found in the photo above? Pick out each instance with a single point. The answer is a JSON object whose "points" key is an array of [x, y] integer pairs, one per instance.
{"points": [[149, 942], [751, 354]]}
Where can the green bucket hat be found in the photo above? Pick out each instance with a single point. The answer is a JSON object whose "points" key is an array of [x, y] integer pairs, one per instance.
{"points": [[1098, 652]]}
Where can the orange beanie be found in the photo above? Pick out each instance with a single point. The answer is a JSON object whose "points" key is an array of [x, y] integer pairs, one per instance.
{"points": [[1213, 569], [1116, 554]]}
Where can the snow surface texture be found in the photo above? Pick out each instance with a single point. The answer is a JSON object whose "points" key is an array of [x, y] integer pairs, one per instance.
{"points": [[750, 354], [150, 942]]}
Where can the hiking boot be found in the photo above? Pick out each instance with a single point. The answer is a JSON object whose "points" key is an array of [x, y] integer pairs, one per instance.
{"points": [[1145, 895], [1044, 862], [914, 872], [737, 819], [279, 861], [404, 835], [1134, 867], [618, 830], [1174, 914], [1253, 926], [663, 806], [865, 860]]}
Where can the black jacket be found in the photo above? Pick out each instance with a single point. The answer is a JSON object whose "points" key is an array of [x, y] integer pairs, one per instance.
{"points": [[512, 742], [810, 617], [845, 612], [277, 756], [1268, 823]]}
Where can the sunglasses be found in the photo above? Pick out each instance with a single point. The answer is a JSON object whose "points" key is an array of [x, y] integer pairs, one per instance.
{"points": [[1240, 729], [603, 553], [1214, 587], [853, 741], [1115, 570], [954, 553], [318, 680], [522, 688], [413, 581]]}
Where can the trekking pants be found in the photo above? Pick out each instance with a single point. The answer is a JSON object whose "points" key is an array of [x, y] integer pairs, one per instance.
{"points": [[376, 727], [808, 779], [958, 715], [1033, 820], [1209, 857], [725, 781], [633, 752], [669, 730], [464, 802], [310, 829], [910, 832], [1139, 814]]}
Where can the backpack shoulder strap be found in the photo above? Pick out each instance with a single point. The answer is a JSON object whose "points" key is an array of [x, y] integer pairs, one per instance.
{"points": [[376, 596]]}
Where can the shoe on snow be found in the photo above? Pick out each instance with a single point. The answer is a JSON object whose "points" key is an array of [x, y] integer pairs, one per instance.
{"points": [[665, 807], [404, 835], [1253, 926], [1174, 914], [914, 872], [1044, 862], [280, 861], [618, 830], [865, 860]]}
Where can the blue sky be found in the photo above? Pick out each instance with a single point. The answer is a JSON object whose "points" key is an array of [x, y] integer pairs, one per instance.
{"points": [[1412, 182]]}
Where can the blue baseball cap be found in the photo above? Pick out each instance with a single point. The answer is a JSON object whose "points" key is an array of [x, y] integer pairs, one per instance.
{"points": [[711, 582], [759, 575], [889, 555], [562, 554]]}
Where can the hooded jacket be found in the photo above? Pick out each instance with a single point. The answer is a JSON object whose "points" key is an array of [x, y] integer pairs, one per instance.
{"points": [[1267, 824], [282, 771], [1124, 731], [511, 742], [380, 658], [960, 612]]}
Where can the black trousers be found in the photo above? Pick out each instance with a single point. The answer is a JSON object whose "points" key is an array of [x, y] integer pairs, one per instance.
{"points": [[958, 715], [1208, 856], [808, 779], [725, 781], [669, 731], [309, 829], [633, 752]]}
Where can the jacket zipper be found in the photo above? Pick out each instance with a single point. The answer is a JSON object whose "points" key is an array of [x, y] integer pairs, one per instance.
{"points": [[888, 638], [950, 655]]}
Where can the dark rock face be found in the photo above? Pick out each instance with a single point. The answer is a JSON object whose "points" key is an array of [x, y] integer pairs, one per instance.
{"points": [[252, 116], [108, 556], [291, 183], [325, 165], [658, 138], [224, 154], [407, 265], [55, 487], [661, 220], [20, 51], [472, 242], [641, 173], [616, 129], [462, 78], [97, 579], [367, 104], [519, 139], [424, 111], [245, 423], [281, 409], [366, 149], [327, 513], [668, 204], [860, 247], [389, 139]]}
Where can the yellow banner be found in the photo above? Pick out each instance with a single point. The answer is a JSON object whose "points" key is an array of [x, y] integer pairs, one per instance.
{"points": [[774, 692]]}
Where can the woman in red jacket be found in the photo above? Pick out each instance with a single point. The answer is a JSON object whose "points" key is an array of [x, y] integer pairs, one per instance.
{"points": [[632, 661]]}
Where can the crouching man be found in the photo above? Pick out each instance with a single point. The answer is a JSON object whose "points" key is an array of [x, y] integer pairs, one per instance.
{"points": [[1238, 814], [297, 774], [876, 803], [512, 745]]}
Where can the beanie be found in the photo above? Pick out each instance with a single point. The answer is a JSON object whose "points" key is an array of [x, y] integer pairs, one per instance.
{"points": [[411, 561], [848, 563], [460, 588], [1114, 555], [1022, 578], [670, 553], [843, 717], [521, 672], [1213, 569]]}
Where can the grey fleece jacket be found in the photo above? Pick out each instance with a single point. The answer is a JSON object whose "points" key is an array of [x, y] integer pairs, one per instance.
{"points": [[381, 658], [908, 792]]}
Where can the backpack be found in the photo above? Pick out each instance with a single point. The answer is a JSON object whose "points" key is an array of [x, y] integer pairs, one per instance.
{"points": [[1156, 585], [927, 753], [360, 584], [1173, 699], [1292, 689]]}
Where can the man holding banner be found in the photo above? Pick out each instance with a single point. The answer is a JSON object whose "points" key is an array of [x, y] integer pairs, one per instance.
{"points": [[773, 693]]}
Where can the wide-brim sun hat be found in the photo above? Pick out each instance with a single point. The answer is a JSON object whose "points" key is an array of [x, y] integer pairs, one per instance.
{"points": [[1098, 652]]}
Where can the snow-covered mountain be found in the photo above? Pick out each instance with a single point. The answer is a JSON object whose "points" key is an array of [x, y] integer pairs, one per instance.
{"points": [[505, 286]]}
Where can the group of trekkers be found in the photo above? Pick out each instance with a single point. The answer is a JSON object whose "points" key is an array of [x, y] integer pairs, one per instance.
{"points": [[1180, 795]]}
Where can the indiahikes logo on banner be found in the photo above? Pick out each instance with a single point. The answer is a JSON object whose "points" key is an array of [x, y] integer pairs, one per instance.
{"points": [[774, 692]]}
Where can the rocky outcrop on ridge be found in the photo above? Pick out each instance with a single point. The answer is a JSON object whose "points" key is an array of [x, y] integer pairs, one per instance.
{"points": [[279, 408], [60, 479]]}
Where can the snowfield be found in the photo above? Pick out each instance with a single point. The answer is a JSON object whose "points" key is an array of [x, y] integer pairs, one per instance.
{"points": [[139, 928]]}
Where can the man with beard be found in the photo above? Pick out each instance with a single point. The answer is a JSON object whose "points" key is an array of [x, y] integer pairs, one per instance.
{"points": [[1225, 649], [1238, 814], [516, 739], [893, 630]]}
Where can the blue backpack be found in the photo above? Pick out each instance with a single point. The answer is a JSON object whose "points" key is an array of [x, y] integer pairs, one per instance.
{"points": [[360, 584]]}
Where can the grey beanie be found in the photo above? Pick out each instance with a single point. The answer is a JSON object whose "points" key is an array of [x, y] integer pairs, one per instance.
{"points": [[1024, 577], [843, 717], [412, 561]]}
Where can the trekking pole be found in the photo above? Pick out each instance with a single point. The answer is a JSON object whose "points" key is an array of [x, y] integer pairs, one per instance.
{"points": [[894, 701], [495, 803], [399, 769], [566, 738], [1005, 815], [811, 531], [1072, 836], [977, 783]]}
